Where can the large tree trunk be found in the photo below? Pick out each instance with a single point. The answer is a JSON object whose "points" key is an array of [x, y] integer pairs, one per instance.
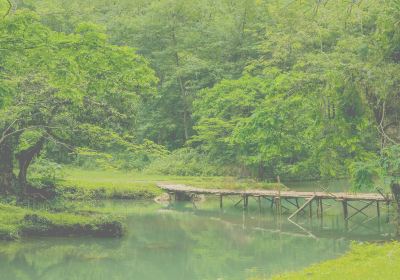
{"points": [[186, 112], [25, 158], [7, 177]]}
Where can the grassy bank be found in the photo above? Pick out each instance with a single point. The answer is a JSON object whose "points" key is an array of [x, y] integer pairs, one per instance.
{"points": [[82, 184], [17, 222], [364, 261]]}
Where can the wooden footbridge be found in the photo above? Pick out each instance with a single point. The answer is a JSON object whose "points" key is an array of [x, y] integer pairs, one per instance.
{"points": [[299, 199]]}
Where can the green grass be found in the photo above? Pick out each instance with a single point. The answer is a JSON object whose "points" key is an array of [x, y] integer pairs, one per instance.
{"points": [[364, 261], [16, 222], [82, 184]]}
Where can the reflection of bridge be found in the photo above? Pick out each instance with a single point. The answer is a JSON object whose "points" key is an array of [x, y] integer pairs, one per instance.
{"points": [[374, 234], [183, 192]]}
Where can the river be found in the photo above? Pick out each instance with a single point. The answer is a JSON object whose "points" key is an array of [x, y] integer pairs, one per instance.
{"points": [[178, 242]]}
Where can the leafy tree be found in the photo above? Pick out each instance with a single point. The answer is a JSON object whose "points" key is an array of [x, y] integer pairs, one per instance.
{"points": [[56, 87]]}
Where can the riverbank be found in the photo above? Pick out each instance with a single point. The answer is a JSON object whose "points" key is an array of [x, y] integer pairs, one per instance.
{"points": [[363, 261], [17, 222], [78, 184], [111, 184]]}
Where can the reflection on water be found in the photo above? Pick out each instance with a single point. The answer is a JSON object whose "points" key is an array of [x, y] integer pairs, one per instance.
{"points": [[180, 242]]}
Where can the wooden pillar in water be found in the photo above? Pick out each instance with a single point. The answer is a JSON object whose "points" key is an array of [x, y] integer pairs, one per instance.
{"points": [[321, 209], [345, 214], [321, 213], [278, 205], [378, 214], [245, 201], [378, 210], [220, 201]]}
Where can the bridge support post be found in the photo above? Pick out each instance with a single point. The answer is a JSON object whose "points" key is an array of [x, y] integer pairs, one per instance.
{"points": [[345, 214], [388, 211], [278, 205], [319, 208], [220, 201], [378, 214], [378, 210], [245, 201]]}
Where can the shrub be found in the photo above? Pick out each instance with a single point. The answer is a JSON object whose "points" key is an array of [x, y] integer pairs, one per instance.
{"points": [[363, 175], [44, 173], [185, 162], [68, 224], [8, 232], [34, 224]]}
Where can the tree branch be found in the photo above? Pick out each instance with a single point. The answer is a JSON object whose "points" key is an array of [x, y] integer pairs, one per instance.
{"points": [[380, 127]]}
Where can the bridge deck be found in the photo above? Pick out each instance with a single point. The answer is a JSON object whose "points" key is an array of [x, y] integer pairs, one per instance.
{"points": [[277, 193]]}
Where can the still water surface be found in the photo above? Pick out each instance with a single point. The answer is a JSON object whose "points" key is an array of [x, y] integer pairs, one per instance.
{"points": [[179, 242]]}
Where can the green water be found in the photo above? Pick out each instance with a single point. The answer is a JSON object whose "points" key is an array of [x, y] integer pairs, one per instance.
{"points": [[179, 242]]}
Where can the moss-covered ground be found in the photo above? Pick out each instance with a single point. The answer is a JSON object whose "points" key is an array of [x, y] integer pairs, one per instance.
{"points": [[85, 185], [17, 222]]}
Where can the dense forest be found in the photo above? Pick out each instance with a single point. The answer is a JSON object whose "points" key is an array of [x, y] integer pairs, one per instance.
{"points": [[251, 88]]}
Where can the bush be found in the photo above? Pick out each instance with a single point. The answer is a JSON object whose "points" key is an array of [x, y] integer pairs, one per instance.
{"points": [[67, 224], [44, 173], [184, 162], [132, 157], [8, 232], [34, 224], [364, 175]]}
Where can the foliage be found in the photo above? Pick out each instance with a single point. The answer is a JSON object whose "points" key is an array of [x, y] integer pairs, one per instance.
{"points": [[322, 94], [391, 161], [122, 155], [381, 169], [261, 88], [45, 173], [364, 175], [185, 162]]}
